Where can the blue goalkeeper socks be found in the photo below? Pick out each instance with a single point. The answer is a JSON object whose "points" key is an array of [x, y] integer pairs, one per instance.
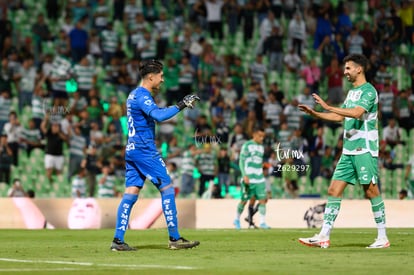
{"points": [[122, 218], [170, 212]]}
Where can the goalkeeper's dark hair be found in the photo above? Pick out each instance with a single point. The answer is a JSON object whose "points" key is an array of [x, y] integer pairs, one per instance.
{"points": [[150, 67], [359, 59]]}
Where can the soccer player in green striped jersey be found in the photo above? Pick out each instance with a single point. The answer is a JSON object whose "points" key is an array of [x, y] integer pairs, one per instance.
{"points": [[359, 160], [253, 180]]}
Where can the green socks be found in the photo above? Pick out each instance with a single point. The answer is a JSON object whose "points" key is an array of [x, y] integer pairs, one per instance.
{"points": [[331, 212], [332, 209], [262, 213], [378, 209], [240, 208]]}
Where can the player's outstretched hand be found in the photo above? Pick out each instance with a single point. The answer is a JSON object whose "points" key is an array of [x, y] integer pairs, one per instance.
{"points": [[188, 101], [305, 109], [320, 101]]}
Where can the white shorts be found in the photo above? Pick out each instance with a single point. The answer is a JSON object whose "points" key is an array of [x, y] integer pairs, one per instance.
{"points": [[54, 162]]}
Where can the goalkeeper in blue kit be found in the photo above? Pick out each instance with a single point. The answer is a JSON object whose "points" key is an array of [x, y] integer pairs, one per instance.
{"points": [[142, 158]]}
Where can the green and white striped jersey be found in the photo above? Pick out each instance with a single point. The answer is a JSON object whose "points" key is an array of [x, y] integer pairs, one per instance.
{"points": [[60, 68], [5, 107], [84, 76], [386, 100], [187, 163], [79, 184], [251, 162], [38, 106], [206, 163], [106, 189], [186, 74], [361, 135], [77, 145], [32, 135], [109, 40], [150, 52], [283, 138]]}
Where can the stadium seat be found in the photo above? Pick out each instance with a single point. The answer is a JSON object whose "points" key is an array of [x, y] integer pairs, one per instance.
{"points": [[287, 85], [404, 136], [41, 185], [338, 134], [411, 134], [25, 116], [37, 157], [15, 104], [61, 186], [397, 183], [410, 143], [386, 182], [329, 136], [353, 192], [14, 172], [401, 155], [300, 85], [274, 76], [277, 187], [359, 192], [3, 189], [320, 185]]}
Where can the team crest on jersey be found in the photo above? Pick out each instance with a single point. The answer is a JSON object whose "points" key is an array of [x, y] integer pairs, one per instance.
{"points": [[131, 96]]}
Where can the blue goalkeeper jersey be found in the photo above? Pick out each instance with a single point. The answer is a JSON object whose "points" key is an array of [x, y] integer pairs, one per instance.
{"points": [[142, 113]]}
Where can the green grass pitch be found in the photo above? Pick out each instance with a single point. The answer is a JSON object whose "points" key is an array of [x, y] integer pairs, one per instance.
{"points": [[274, 251]]}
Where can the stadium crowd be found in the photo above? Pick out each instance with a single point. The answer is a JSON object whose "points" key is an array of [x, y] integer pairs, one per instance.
{"points": [[68, 66]]}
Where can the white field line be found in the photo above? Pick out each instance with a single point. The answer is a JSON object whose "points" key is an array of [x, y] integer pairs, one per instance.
{"points": [[97, 264], [37, 269]]}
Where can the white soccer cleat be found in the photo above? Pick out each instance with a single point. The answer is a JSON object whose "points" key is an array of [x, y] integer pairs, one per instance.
{"points": [[380, 243], [316, 241]]}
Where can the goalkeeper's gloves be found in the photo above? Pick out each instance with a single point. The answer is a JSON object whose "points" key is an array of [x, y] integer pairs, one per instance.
{"points": [[187, 101]]}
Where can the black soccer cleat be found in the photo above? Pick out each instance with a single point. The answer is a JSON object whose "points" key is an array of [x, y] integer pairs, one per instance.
{"points": [[251, 223], [118, 245], [182, 243]]}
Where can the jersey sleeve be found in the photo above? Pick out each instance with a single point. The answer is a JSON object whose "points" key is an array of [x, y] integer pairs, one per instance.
{"points": [[242, 159], [161, 114], [146, 104], [150, 108]]}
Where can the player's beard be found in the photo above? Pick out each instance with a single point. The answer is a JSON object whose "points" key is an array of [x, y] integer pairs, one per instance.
{"points": [[351, 78]]}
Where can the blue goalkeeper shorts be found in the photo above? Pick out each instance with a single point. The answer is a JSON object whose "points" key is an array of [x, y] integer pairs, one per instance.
{"points": [[139, 166]]}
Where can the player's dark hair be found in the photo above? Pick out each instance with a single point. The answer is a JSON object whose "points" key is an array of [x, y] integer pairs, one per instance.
{"points": [[359, 59], [258, 129], [150, 67]]}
